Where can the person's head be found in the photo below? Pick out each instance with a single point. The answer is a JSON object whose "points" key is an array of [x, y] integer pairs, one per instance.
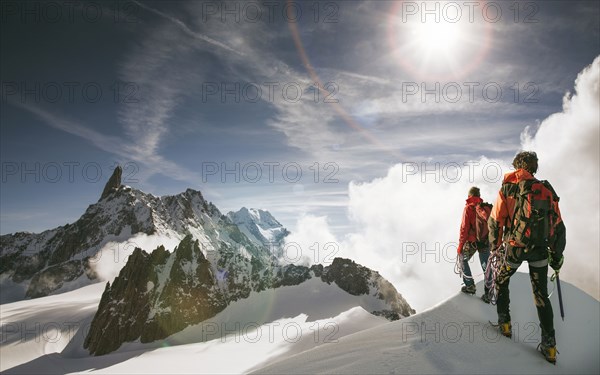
{"points": [[526, 160], [474, 192]]}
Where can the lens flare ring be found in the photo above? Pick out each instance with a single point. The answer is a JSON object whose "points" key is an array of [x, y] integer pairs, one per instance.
{"points": [[432, 45]]}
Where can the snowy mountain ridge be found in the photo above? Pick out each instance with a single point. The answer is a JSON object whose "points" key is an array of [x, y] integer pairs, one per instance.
{"points": [[305, 332], [34, 265], [259, 226], [160, 293]]}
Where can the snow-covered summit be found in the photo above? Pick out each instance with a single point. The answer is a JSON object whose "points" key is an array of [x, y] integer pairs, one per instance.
{"points": [[259, 225], [34, 265]]}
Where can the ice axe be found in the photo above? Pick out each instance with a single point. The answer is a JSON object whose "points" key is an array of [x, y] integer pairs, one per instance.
{"points": [[560, 302]]}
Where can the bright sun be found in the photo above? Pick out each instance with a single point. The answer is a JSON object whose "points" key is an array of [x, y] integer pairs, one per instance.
{"points": [[438, 37], [438, 48]]}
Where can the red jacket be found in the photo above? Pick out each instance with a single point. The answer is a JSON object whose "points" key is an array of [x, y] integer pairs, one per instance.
{"points": [[467, 227], [504, 211]]}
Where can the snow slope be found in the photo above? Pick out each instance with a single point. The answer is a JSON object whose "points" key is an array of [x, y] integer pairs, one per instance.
{"points": [[455, 337], [299, 329], [33, 328], [269, 324]]}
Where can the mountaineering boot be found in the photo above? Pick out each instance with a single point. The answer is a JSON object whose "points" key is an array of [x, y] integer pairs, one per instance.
{"points": [[506, 329], [468, 289], [485, 298], [549, 352], [548, 349]]}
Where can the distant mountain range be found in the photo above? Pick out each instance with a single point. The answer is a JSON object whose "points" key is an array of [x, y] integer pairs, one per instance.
{"points": [[60, 259], [219, 259]]}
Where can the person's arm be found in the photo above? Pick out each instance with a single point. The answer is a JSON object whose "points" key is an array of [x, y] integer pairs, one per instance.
{"points": [[497, 220], [464, 230]]}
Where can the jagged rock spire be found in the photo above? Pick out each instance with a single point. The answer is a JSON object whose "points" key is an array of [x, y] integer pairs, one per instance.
{"points": [[161, 293], [114, 182]]}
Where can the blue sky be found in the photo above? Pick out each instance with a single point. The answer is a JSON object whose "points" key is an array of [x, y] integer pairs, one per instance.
{"points": [[141, 83]]}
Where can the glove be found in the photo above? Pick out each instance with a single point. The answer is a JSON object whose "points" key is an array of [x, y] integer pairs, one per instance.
{"points": [[556, 263]]}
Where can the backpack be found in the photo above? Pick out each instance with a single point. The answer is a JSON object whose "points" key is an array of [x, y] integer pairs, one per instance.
{"points": [[534, 216], [482, 213]]}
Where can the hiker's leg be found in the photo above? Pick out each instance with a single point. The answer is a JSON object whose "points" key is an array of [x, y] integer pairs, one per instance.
{"points": [[512, 263], [484, 255], [503, 301], [539, 285], [466, 254]]}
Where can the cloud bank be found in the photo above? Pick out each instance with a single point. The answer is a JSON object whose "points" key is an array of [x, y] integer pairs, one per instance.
{"points": [[406, 223], [567, 144]]}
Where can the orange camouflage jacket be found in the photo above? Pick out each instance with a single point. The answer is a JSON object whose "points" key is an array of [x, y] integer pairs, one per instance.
{"points": [[503, 213]]}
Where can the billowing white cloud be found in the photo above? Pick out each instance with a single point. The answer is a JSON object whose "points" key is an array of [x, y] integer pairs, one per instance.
{"points": [[406, 223], [311, 242], [567, 145]]}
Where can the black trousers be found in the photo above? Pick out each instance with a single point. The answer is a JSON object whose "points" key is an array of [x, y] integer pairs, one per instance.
{"points": [[537, 259]]}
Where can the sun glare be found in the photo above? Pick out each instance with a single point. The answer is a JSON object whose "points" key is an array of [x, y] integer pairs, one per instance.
{"points": [[438, 47], [438, 37]]}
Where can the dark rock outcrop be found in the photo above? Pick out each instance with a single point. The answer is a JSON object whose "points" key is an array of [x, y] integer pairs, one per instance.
{"points": [[115, 322], [138, 306], [358, 280], [189, 296], [161, 293], [154, 296], [351, 277], [114, 182]]}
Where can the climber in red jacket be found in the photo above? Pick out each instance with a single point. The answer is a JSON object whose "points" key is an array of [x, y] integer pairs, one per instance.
{"points": [[473, 238]]}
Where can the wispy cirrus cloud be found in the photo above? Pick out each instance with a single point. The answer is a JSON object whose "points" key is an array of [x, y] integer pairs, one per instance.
{"points": [[186, 29], [162, 65], [169, 61], [118, 146]]}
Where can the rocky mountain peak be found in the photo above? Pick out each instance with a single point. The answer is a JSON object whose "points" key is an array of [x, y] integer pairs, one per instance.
{"points": [[261, 217], [114, 182], [62, 257], [259, 225], [158, 294]]}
